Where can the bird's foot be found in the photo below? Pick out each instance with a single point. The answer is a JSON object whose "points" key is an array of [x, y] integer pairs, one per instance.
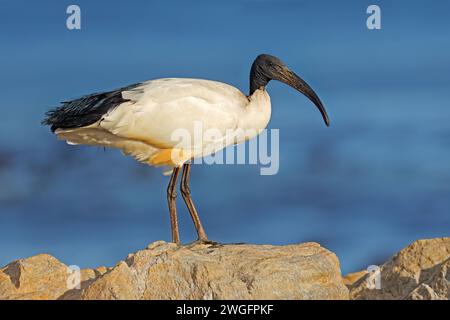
{"points": [[204, 241], [177, 241]]}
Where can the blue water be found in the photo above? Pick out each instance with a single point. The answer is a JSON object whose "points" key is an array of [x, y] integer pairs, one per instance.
{"points": [[376, 180]]}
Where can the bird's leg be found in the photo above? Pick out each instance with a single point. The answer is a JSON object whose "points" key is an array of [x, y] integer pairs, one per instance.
{"points": [[186, 193], [171, 199]]}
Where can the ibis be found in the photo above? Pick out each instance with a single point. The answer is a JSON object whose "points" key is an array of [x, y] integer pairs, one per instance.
{"points": [[140, 119]]}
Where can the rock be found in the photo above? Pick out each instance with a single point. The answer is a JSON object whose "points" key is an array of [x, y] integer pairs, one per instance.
{"points": [[41, 277], [351, 278], [38, 277], [418, 272], [166, 271]]}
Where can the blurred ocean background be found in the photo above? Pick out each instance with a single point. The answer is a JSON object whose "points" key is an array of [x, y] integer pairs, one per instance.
{"points": [[376, 180]]}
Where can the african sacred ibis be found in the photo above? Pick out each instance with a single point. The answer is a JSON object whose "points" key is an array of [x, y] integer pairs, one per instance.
{"points": [[140, 119]]}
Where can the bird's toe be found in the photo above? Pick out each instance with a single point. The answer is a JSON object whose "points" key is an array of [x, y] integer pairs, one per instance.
{"points": [[204, 242]]}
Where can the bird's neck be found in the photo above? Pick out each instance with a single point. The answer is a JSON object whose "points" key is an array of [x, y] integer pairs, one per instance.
{"points": [[257, 79], [258, 111]]}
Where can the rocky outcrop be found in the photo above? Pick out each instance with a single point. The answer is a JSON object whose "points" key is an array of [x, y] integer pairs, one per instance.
{"points": [[234, 271], [166, 271], [421, 271]]}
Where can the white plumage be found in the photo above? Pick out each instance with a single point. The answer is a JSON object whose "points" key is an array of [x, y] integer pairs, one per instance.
{"points": [[143, 127]]}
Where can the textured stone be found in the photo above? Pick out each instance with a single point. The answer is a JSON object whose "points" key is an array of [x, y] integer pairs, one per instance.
{"points": [[166, 271], [40, 277], [418, 272]]}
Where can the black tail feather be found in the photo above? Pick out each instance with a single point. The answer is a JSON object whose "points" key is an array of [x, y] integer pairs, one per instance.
{"points": [[85, 110]]}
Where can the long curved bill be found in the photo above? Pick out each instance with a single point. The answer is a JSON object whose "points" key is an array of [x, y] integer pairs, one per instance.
{"points": [[300, 85]]}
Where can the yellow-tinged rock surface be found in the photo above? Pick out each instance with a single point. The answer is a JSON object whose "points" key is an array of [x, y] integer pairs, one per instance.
{"points": [[420, 271], [351, 278], [41, 277], [166, 271]]}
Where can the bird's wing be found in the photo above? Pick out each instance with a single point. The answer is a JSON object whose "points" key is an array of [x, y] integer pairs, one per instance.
{"points": [[166, 112]]}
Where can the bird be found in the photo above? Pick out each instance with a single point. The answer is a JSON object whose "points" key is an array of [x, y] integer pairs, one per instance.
{"points": [[140, 119]]}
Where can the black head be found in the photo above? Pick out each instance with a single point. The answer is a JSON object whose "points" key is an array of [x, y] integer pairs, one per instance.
{"points": [[267, 67]]}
